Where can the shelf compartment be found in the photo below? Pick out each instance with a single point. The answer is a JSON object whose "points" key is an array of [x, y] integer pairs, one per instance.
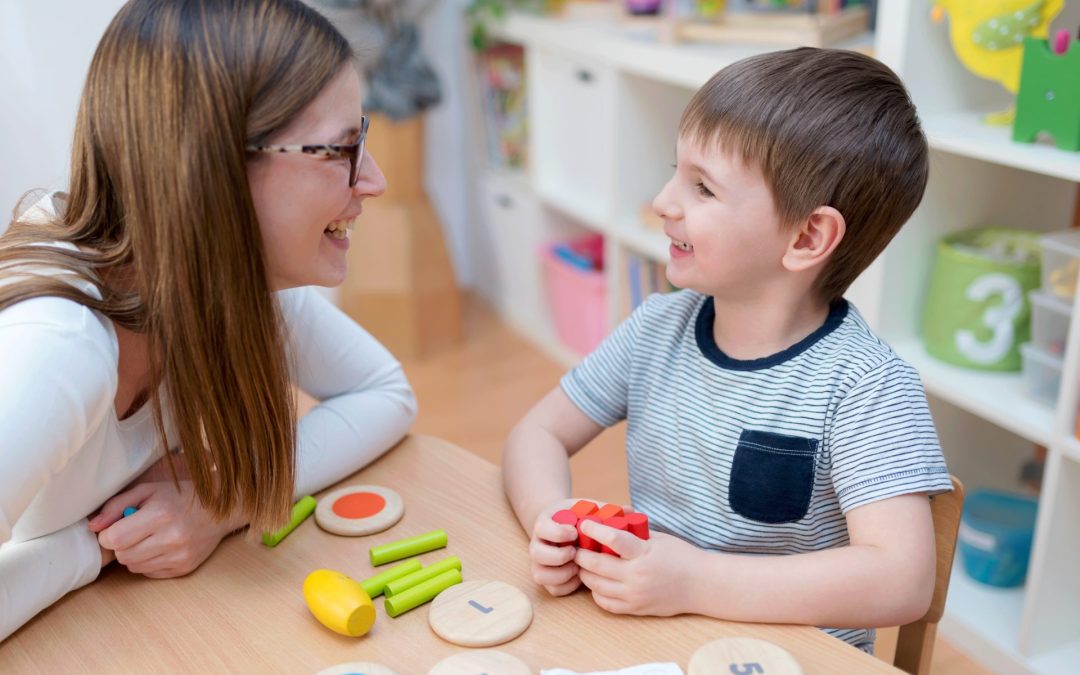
{"points": [[984, 621], [998, 397], [963, 133]]}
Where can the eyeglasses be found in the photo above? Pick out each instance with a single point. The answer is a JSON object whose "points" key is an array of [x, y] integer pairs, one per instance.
{"points": [[353, 151]]}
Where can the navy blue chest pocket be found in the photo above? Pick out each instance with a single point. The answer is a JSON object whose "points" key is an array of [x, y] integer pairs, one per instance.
{"points": [[772, 476]]}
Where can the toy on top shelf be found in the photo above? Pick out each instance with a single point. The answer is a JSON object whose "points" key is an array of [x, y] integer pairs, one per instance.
{"points": [[1049, 97], [987, 36], [812, 23]]}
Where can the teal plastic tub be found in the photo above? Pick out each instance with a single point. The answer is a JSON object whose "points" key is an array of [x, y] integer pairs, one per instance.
{"points": [[996, 530]]}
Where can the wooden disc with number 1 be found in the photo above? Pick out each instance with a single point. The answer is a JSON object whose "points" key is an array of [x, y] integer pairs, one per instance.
{"points": [[480, 613], [357, 510]]}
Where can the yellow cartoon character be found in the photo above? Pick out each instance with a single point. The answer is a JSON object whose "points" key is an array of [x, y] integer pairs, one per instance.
{"points": [[988, 36]]}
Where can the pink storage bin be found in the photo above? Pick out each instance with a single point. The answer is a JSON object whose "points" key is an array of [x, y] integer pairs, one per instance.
{"points": [[577, 297]]}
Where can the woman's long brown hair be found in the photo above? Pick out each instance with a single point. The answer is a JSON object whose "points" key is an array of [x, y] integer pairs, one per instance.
{"points": [[162, 215]]}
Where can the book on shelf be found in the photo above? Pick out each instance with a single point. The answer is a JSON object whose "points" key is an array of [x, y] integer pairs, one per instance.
{"points": [[644, 277], [502, 91]]}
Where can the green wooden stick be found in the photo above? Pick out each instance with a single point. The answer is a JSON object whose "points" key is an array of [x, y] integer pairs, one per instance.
{"points": [[375, 585], [300, 511], [431, 571], [406, 548], [417, 595]]}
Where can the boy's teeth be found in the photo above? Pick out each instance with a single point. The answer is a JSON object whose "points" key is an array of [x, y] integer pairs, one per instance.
{"points": [[682, 245]]}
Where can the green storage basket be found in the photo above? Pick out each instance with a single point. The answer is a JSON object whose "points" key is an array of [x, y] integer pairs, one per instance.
{"points": [[977, 313]]}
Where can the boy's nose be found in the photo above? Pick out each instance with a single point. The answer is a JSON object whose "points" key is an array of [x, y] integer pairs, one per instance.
{"points": [[664, 206]]}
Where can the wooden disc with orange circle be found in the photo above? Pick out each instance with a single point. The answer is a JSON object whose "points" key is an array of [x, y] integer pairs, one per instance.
{"points": [[358, 510]]}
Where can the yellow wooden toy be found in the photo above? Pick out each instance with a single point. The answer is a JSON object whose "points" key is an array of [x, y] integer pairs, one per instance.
{"points": [[339, 603]]}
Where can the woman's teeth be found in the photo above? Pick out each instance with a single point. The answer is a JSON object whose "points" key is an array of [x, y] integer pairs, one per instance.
{"points": [[339, 229], [682, 245]]}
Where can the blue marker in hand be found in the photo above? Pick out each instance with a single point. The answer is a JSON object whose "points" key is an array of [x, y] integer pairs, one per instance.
{"points": [[129, 510]]}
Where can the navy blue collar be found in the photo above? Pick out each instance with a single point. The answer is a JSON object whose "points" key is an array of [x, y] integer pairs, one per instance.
{"points": [[707, 344]]}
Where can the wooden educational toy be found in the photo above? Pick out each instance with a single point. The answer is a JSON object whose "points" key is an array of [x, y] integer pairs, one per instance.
{"points": [[742, 655], [357, 668], [610, 514], [132, 510], [421, 593], [375, 585], [406, 548], [339, 603], [480, 614], [583, 508], [300, 511], [1049, 97], [481, 661], [359, 510], [421, 575]]}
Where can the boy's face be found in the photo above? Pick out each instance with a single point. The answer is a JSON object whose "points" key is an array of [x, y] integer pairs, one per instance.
{"points": [[725, 232]]}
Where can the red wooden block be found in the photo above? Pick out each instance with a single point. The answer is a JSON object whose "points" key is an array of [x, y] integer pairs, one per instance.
{"points": [[617, 522], [566, 517], [584, 508], [584, 540], [609, 511], [638, 525]]}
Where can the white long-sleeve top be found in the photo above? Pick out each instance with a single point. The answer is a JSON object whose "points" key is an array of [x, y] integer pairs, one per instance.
{"points": [[63, 452]]}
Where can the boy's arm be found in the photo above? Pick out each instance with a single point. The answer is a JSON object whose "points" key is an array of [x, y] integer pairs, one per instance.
{"points": [[884, 577], [535, 460]]}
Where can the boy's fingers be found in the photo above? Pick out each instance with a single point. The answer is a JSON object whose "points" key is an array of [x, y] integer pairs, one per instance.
{"points": [[556, 533], [564, 589], [552, 556], [623, 543], [554, 576], [113, 510]]}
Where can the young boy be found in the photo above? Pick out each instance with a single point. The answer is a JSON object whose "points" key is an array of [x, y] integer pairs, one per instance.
{"points": [[783, 452]]}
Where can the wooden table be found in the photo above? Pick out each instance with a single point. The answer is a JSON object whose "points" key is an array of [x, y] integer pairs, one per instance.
{"points": [[243, 610]]}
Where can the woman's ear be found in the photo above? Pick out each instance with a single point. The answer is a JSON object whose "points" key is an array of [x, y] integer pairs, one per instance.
{"points": [[815, 239]]}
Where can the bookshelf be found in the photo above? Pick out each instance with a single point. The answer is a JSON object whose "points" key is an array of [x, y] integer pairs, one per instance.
{"points": [[603, 109]]}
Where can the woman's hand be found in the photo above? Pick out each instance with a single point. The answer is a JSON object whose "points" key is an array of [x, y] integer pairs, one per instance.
{"points": [[170, 535], [652, 577]]}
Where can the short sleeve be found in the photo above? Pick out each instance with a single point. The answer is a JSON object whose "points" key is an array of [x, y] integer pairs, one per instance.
{"points": [[599, 385], [882, 442]]}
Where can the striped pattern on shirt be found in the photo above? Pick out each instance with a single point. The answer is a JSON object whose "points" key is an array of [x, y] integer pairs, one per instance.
{"points": [[762, 456]]}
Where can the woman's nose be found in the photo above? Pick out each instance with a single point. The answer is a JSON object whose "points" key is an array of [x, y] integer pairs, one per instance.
{"points": [[371, 182]]}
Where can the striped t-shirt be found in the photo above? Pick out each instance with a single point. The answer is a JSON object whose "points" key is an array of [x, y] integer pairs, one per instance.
{"points": [[766, 455]]}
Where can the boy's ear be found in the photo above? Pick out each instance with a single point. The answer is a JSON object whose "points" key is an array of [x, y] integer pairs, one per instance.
{"points": [[815, 239]]}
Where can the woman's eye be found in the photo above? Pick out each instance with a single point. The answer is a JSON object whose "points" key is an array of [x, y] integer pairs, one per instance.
{"points": [[704, 191]]}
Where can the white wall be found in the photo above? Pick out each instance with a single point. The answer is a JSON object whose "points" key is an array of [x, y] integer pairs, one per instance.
{"points": [[45, 51]]}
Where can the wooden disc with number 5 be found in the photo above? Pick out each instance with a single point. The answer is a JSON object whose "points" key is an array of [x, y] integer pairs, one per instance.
{"points": [[743, 656]]}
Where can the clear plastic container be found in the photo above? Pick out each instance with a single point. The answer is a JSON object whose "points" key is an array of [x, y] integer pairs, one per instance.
{"points": [[1042, 373], [1050, 318], [1060, 263]]}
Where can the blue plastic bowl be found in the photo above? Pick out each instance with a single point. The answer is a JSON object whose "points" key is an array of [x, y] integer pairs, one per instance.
{"points": [[995, 536]]}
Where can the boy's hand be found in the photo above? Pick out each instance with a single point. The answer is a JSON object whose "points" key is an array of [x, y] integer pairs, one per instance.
{"points": [[553, 566], [652, 577]]}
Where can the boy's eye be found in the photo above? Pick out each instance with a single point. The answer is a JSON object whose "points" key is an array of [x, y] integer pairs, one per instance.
{"points": [[703, 191]]}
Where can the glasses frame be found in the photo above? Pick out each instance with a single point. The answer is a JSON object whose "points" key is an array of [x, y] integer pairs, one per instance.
{"points": [[354, 152]]}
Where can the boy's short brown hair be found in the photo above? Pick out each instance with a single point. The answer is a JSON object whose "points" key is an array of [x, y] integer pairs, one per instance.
{"points": [[827, 128]]}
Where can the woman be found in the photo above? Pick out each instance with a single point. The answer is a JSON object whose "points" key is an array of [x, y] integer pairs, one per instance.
{"points": [[218, 161]]}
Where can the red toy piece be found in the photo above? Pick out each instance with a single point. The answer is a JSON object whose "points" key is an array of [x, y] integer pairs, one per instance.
{"points": [[609, 511], [566, 517], [638, 525], [584, 508]]}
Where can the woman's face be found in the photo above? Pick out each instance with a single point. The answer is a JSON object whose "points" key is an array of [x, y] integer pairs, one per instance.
{"points": [[301, 199]]}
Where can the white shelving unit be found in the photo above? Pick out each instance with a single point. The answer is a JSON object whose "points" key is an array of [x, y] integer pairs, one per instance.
{"points": [[604, 105]]}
